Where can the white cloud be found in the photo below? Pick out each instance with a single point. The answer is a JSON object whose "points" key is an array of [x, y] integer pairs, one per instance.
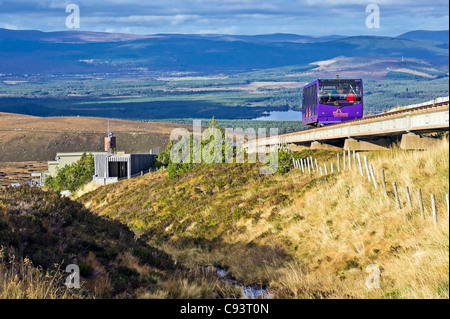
{"points": [[236, 16], [9, 26]]}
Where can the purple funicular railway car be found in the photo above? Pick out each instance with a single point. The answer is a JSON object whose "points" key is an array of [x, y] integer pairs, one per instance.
{"points": [[327, 101]]}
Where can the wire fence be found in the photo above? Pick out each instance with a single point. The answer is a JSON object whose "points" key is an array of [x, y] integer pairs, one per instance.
{"points": [[377, 178]]}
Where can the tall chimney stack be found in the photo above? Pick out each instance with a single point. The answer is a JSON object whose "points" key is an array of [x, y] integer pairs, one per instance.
{"points": [[110, 143]]}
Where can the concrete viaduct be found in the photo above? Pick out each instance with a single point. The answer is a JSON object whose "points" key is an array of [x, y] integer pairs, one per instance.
{"points": [[370, 133]]}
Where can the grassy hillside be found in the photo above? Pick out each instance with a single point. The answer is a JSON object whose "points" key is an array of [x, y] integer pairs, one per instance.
{"points": [[41, 233], [302, 236]]}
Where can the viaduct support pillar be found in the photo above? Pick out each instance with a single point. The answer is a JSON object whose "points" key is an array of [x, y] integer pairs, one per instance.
{"points": [[416, 142], [297, 148], [376, 145], [322, 146]]}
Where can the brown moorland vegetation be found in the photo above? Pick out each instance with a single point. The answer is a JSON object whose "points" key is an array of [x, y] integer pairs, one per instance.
{"points": [[302, 236], [41, 233], [19, 172], [31, 138]]}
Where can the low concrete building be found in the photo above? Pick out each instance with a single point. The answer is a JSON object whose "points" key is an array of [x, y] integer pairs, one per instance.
{"points": [[61, 160], [109, 168], [38, 177]]}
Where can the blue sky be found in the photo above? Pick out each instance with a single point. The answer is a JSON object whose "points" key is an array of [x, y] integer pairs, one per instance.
{"points": [[309, 17]]}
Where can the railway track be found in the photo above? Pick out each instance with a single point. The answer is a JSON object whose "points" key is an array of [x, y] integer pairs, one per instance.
{"points": [[426, 117], [372, 117]]}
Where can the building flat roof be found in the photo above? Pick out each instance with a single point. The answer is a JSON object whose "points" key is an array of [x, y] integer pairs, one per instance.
{"points": [[81, 153]]}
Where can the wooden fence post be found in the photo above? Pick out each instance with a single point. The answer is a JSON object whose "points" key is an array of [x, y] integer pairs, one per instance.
{"points": [[383, 180], [373, 176], [349, 159], [317, 166], [397, 199], [326, 171], [367, 168], [360, 165], [408, 195], [338, 163], [332, 170], [321, 173], [344, 161], [448, 208], [309, 166], [422, 210], [312, 163], [433, 207]]}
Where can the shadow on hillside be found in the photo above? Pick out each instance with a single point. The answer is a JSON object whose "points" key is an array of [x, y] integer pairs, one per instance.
{"points": [[54, 231]]}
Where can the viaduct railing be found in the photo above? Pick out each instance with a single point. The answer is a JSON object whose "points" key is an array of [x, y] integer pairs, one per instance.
{"points": [[426, 117]]}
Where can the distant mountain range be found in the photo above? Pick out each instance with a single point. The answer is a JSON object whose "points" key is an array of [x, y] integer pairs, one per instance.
{"points": [[264, 38], [438, 36], [82, 52]]}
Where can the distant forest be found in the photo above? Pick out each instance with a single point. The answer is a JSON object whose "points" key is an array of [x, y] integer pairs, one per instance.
{"points": [[228, 98], [241, 96]]}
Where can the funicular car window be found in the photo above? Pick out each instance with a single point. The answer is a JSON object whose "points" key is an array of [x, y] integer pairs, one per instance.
{"points": [[340, 90]]}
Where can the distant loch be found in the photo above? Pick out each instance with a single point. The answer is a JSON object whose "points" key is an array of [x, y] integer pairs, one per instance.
{"points": [[281, 116]]}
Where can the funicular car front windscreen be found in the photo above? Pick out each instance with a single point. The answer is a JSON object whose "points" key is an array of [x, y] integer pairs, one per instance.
{"points": [[339, 90]]}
